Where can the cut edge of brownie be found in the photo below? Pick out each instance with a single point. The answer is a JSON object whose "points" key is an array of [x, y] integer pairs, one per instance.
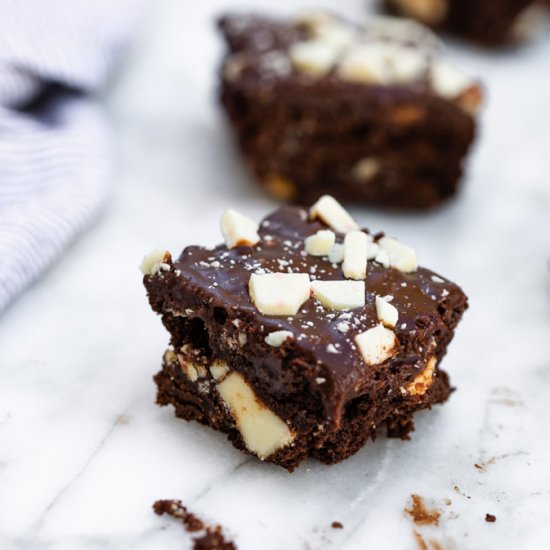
{"points": [[197, 399]]}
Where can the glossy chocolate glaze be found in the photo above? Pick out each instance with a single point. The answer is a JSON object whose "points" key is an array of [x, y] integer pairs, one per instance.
{"points": [[262, 45], [421, 298]]}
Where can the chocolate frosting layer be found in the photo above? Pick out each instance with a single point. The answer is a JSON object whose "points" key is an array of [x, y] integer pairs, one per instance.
{"points": [[424, 302]]}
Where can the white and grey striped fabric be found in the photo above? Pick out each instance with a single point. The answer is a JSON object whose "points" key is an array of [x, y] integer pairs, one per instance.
{"points": [[55, 56]]}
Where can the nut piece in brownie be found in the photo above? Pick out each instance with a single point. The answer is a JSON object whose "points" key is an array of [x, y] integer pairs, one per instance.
{"points": [[488, 22], [371, 113], [302, 336]]}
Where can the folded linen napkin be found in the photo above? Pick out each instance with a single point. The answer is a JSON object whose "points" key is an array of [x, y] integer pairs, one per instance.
{"points": [[55, 57]]}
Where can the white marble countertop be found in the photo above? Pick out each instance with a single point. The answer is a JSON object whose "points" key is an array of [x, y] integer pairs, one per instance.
{"points": [[84, 452]]}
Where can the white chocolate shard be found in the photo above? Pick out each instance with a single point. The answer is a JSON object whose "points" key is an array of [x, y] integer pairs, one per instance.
{"points": [[331, 212], [387, 313], [372, 249], [422, 382], [277, 338], [338, 36], [383, 258], [238, 230], [400, 29], [366, 169], [366, 63], [219, 369], [279, 293], [263, 432], [313, 18], [376, 345], [314, 57], [336, 255], [448, 81], [355, 255], [401, 257], [408, 64], [157, 260], [339, 295], [321, 243]]}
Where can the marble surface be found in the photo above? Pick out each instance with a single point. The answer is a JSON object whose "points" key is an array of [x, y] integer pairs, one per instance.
{"points": [[84, 451]]}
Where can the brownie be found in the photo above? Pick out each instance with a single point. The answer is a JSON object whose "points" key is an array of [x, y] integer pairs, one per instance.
{"points": [[488, 22], [372, 114], [302, 336]]}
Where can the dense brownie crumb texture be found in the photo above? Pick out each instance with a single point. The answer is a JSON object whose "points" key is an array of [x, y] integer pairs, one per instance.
{"points": [[206, 537], [372, 113], [488, 22], [301, 336]]}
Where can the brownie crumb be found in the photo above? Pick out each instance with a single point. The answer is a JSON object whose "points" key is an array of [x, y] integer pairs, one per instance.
{"points": [[337, 525], [213, 537], [177, 510], [420, 514], [490, 518]]}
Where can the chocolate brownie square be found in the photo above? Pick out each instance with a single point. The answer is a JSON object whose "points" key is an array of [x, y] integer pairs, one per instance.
{"points": [[489, 22], [302, 336], [371, 113]]}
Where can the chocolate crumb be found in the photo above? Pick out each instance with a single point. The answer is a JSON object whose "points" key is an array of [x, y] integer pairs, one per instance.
{"points": [[490, 518], [337, 525], [177, 510], [420, 514], [213, 537]]}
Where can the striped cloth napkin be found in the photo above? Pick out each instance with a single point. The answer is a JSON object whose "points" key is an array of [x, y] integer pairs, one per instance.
{"points": [[55, 57]]}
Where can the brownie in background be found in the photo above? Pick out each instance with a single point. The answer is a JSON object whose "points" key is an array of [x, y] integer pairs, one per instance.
{"points": [[369, 113]]}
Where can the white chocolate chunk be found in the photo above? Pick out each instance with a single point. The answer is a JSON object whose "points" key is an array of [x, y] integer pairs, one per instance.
{"points": [[366, 63], [219, 369], [321, 243], [263, 432], [355, 255], [372, 249], [447, 81], [376, 345], [408, 64], [383, 258], [331, 212], [279, 293], [233, 67], [339, 295], [314, 57], [366, 169], [277, 338], [338, 36], [155, 261], [336, 255], [401, 257], [387, 313], [313, 18], [400, 29], [238, 230]]}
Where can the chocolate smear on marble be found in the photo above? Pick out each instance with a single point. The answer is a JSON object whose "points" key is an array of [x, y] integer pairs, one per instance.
{"points": [[420, 514]]}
